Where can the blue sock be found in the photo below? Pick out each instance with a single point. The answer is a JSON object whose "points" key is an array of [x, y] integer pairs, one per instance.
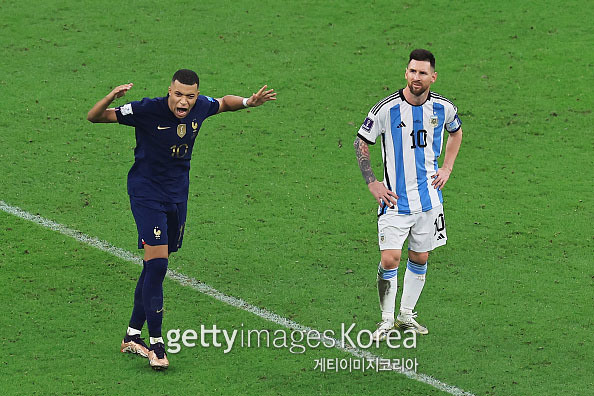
{"points": [[416, 268], [152, 294], [138, 317]]}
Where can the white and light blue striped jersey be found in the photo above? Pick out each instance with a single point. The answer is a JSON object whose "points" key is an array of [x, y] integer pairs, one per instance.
{"points": [[412, 141]]}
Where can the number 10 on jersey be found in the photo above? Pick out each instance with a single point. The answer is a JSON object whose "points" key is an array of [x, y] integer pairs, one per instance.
{"points": [[421, 138], [179, 151]]}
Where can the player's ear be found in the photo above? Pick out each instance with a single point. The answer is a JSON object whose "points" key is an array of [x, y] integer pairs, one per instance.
{"points": [[434, 77]]}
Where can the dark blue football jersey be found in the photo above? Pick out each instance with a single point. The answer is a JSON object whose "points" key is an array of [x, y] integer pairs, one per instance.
{"points": [[164, 144]]}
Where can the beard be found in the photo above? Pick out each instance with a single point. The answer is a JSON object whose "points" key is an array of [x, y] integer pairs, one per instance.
{"points": [[416, 90]]}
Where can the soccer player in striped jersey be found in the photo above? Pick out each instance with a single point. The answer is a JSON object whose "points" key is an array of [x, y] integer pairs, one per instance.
{"points": [[166, 129], [410, 124]]}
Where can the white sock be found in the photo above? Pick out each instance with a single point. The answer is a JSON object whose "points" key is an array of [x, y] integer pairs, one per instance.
{"points": [[132, 332], [414, 280], [156, 340], [387, 286]]}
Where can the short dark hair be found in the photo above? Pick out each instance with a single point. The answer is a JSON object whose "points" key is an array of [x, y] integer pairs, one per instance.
{"points": [[187, 77], [422, 55]]}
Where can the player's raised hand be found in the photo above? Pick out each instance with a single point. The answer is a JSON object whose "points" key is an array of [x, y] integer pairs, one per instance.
{"points": [[381, 194], [261, 97], [100, 113], [120, 91]]}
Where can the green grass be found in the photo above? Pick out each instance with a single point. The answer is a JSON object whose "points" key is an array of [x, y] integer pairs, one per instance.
{"points": [[68, 311], [279, 214]]}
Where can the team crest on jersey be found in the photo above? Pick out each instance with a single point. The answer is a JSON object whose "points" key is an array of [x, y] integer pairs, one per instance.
{"points": [[367, 124], [157, 233], [194, 129], [434, 121], [181, 130]]}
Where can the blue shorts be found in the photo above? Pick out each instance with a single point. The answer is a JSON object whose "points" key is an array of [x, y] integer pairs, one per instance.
{"points": [[159, 223]]}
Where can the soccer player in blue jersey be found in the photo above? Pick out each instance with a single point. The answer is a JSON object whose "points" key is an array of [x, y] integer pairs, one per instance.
{"points": [[410, 124], [166, 129]]}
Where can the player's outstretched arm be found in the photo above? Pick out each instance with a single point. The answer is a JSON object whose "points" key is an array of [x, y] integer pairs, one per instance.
{"points": [[100, 112], [376, 188], [233, 102], [451, 152]]}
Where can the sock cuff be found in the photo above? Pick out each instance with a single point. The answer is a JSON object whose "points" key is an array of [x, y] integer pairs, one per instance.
{"points": [[157, 261], [419, 269], [157, 264], [385, 273], [132, 331]]}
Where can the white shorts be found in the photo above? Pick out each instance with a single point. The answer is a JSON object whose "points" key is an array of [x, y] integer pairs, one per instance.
{"points": [[425, 231]]}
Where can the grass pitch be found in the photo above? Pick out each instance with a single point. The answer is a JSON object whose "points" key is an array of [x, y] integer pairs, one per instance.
{"points": [[279, 214]]}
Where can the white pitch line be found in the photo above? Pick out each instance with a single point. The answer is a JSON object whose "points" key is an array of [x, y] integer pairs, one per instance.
{"points": [[230, 300]]}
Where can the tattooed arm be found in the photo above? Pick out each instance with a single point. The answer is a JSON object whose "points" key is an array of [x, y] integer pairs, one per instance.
{"points": [[362, 152], [377, 188]]}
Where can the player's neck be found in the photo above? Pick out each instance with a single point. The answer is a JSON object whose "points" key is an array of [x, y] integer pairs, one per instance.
{"points": [[414, 99]]}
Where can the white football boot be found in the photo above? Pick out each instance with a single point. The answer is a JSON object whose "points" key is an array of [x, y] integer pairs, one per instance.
{"points": [[406, 321], [383, 328]]}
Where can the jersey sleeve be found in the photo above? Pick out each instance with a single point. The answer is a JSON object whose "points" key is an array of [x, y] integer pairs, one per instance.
{"points": [[370, 129], [128, 114], [211, 103], [453, 122]]}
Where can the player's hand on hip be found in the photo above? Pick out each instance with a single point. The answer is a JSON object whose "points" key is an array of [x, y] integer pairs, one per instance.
{"points": [[120, 91], [441, 178], [261, 97], [382, 194]]}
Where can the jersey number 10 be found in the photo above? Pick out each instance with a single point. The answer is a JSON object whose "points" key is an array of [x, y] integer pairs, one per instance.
{"points": [[179, 151], [421, 138]]}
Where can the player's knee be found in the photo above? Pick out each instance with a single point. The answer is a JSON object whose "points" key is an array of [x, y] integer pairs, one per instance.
{"points": [[157, 268], [419, 258], [390, 259]]}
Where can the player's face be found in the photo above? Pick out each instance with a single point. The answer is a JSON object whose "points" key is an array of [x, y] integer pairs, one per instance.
{"points": [[419, 76], [182, 98]]}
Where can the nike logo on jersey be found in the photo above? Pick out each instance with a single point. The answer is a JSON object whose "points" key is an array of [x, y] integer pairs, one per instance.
{"points": [[161, 128]]}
